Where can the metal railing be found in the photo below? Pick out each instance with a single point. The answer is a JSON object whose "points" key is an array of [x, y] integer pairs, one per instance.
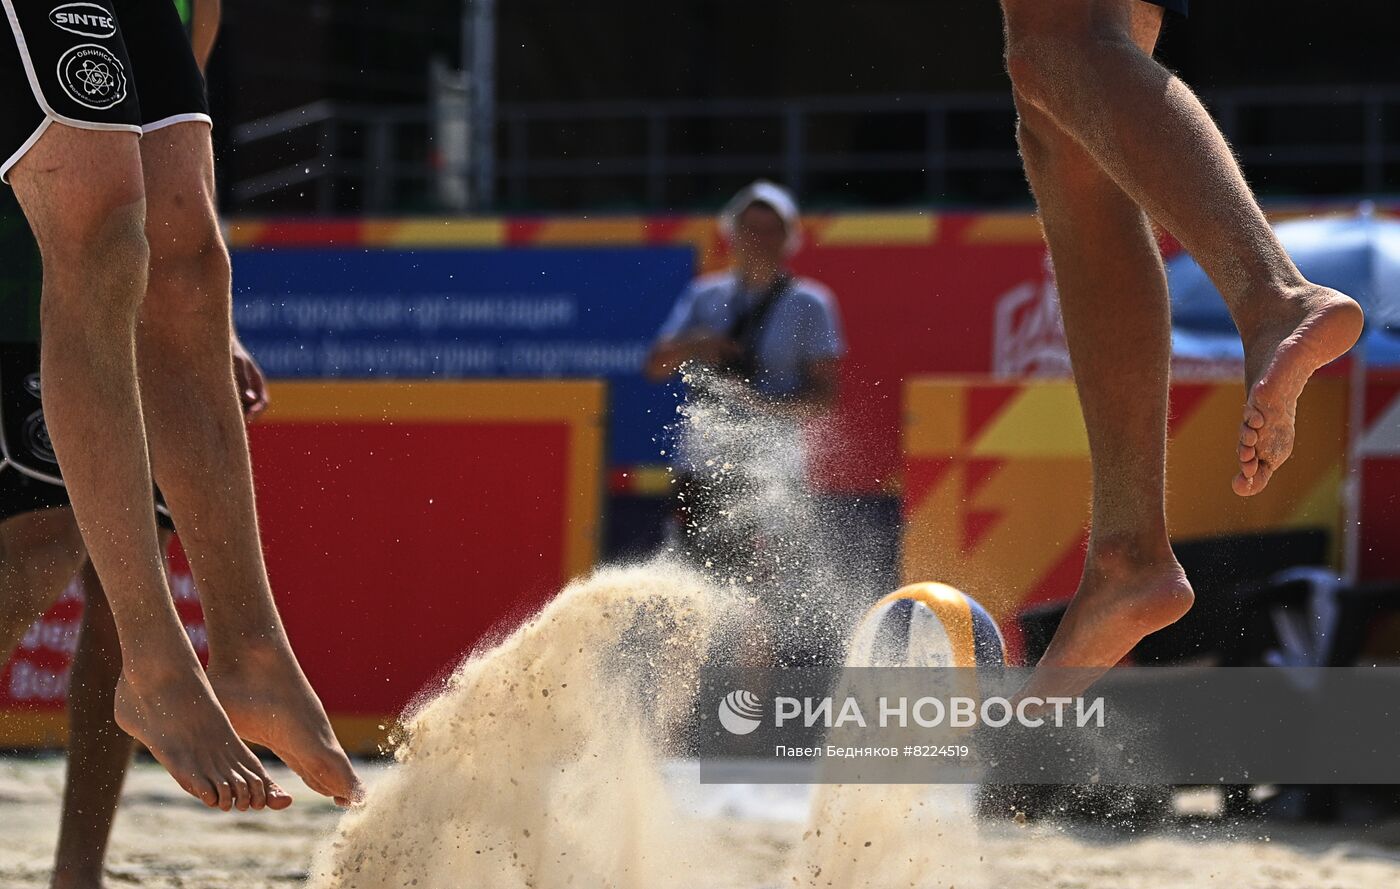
{"points": [[329, 157], [333, 157]]}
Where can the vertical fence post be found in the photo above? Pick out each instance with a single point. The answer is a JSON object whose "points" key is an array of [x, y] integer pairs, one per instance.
{"points": [[480, 26], [379, 170]]}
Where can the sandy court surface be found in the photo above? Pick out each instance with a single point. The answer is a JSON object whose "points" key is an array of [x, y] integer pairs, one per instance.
{"points": [[1192, 858], [164, 840]]}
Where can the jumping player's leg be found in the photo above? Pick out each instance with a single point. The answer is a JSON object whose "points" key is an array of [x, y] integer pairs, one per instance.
{"points": [[1113, 297], [1078, 64], [98, 750], [200, 453], [82, 192], [39, 553]]}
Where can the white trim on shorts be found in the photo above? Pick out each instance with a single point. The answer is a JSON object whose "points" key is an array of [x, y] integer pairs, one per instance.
{"points": [[38, 91], [28, 144], [189, 117]]}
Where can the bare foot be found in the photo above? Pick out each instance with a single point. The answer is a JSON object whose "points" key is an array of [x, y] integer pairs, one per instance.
{"points": [[269, 702], [1120, 600], [1316, 329], [175, 715]]}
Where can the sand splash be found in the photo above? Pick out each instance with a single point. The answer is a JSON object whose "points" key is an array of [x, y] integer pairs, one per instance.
{"points": [[540, 764]]}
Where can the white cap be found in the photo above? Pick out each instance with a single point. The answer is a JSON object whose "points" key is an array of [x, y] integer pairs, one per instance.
{"points": [[770, 194]]}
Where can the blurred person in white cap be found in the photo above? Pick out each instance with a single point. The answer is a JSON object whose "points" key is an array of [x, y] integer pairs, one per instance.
{"points": [[761, 351], [758, 322]]}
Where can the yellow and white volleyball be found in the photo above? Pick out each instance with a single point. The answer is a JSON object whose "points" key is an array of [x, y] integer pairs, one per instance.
{"points": [[927, 625]]}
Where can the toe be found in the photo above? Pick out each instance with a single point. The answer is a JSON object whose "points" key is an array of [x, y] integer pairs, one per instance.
{"points": [[346, 783], [335, 773], [201, 789], [1242, 485], [1247, 485], [242, 793], [225, 789], [1261, 480], [1253, 418], [1248, 435], [277, 798], [257, 789], [1246, 453]]}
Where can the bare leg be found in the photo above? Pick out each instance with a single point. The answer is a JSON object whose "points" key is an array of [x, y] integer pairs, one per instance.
{"points": [[1111, 281], [82, 192], [200, 454], [39, 551], [98, 750], [1079, 64]]}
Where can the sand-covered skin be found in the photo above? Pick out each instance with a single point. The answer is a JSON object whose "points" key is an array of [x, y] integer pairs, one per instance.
{"points": [[163, 842]]}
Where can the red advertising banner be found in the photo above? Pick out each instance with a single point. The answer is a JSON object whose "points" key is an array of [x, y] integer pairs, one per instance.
{"points": [[401, 523]]}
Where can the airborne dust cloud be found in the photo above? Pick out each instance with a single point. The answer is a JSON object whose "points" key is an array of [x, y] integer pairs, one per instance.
{"points": [[541, 762]]}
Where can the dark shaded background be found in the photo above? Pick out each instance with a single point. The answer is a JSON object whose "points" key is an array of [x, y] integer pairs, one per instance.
{"points": [[275, 55]]}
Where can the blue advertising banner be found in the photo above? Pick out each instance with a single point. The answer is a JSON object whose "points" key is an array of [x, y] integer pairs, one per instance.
{"points": [[465, 313]]}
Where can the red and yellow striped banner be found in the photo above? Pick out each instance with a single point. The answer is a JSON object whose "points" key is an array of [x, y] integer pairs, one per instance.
{"points": [[997, 481]]}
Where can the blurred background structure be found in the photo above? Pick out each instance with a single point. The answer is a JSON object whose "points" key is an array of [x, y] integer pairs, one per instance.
{"points": [[624, 106]]}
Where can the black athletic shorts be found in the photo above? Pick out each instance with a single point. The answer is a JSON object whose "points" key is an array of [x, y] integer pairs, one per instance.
{"points": [[29, 476], [1173, 5], [121, 65]]}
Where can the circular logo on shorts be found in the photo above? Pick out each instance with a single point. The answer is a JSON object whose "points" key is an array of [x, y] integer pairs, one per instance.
{"points": [[87, 19], [92, 76], [36, 436]]}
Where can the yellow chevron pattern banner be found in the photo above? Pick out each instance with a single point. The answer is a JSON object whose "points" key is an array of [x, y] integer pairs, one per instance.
{"points": [[997, 482]]}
